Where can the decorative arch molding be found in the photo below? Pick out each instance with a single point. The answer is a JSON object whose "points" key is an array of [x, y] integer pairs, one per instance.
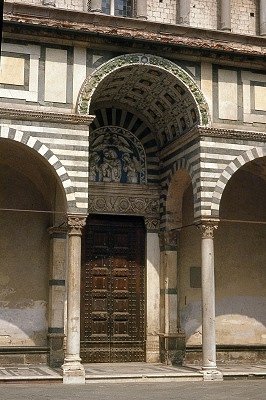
{"points": [[35, 144], [236, 164], [91, 83]]}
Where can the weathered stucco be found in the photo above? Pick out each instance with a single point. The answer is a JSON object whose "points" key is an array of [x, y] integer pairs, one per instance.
{"points": [[239, 266]]}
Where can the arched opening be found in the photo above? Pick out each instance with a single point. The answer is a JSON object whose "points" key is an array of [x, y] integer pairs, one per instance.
{"points": [[31, 200], [141, 104], [240, 259]]}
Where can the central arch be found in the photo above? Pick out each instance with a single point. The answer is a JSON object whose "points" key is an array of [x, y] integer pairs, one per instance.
{"points": [[170, 100]]}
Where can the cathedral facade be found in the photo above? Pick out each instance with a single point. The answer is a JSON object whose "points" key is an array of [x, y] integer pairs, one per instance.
{"points": [[133, 183]]}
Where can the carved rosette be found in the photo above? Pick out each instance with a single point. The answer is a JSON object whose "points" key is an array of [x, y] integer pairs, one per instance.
{"points": [[75, 224], [207, 229]]}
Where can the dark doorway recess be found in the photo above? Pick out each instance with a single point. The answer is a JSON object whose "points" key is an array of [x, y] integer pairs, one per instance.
{"points": [[112, 290]]}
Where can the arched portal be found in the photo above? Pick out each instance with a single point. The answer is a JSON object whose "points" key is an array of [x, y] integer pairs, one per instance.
{"points": [[142, 104], [32, 199]]}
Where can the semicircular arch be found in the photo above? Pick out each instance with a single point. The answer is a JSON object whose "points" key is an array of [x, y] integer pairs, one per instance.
{"points": [[36, 145], [128, 60], [229, 171]]}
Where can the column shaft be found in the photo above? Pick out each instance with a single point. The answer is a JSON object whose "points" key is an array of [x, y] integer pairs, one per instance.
{"points": [[73, 371], [141, 9], [208, 303], [184, 12], [263, 17], [96, 6], [226, 15]]}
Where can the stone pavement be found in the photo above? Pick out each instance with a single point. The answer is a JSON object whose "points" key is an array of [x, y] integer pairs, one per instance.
{"points": [[128, 372], [226, 390]]}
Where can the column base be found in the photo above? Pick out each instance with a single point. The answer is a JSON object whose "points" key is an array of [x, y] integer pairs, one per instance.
{"points": [[56, 344], [73, 373], [172, 348], [152, 349], [212, 375]]}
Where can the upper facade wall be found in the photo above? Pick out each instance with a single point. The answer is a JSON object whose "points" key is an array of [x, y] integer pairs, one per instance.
{"points": [[49, 77], [245, 14]]}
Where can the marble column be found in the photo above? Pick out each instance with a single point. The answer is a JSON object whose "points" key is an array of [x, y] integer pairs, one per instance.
{"points": [[209, 366], [226, 15], [263, 17], [184, 12], [73, 371], [141, 9], [172, 340], [57, 295], [152, 291], [96, 6]]}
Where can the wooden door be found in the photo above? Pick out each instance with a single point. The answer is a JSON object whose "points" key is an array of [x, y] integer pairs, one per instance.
{"points": [[112, 312]]}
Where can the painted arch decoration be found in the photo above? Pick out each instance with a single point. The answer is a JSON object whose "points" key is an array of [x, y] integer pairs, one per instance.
{"points": [[117, 156]]}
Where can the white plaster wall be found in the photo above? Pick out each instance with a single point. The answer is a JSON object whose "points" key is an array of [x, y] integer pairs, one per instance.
{"points": [[24, 249], [240, 260]]}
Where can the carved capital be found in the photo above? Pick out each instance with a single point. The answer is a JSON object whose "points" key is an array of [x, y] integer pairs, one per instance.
{"points": [[152, 224], [75, 224], [207, 229], [55, 231], [169, 239]]}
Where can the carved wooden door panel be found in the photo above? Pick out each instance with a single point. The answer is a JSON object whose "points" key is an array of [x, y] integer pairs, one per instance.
{"points": [[112, 312]]}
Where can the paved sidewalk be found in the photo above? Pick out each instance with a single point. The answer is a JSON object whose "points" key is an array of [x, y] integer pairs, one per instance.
{"points": [[128, 372], [227, 390]]}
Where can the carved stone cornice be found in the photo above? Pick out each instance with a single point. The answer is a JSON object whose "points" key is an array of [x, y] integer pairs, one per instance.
{"points": [[231, 133], [45, 116], [169, 239], [207, 229], [75, 224], [124, 199]]}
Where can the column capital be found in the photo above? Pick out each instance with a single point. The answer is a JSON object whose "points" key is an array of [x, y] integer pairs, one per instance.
{"points": [[57, 231], [207, 228], [169, 239], [75, 224], [152, 224]]}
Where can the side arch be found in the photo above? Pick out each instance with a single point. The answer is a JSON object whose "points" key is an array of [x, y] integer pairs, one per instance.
{"points": [[178, 165], [91, 83], [35, 144], [238, 162]]}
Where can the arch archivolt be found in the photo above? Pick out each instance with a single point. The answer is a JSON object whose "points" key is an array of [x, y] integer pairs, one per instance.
{"points": [[91, 83], [35, 144], [236, 164]]}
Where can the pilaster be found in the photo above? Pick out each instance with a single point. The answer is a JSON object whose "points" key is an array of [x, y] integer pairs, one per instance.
{"points": [[141, 9], [263, 17], [152, 290], [57, 295], [172, 340], [226, 15], [96, 6], [184, 12]]}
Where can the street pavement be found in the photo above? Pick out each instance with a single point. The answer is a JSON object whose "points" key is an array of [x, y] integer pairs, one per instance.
{"points": [[227, 390]]}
